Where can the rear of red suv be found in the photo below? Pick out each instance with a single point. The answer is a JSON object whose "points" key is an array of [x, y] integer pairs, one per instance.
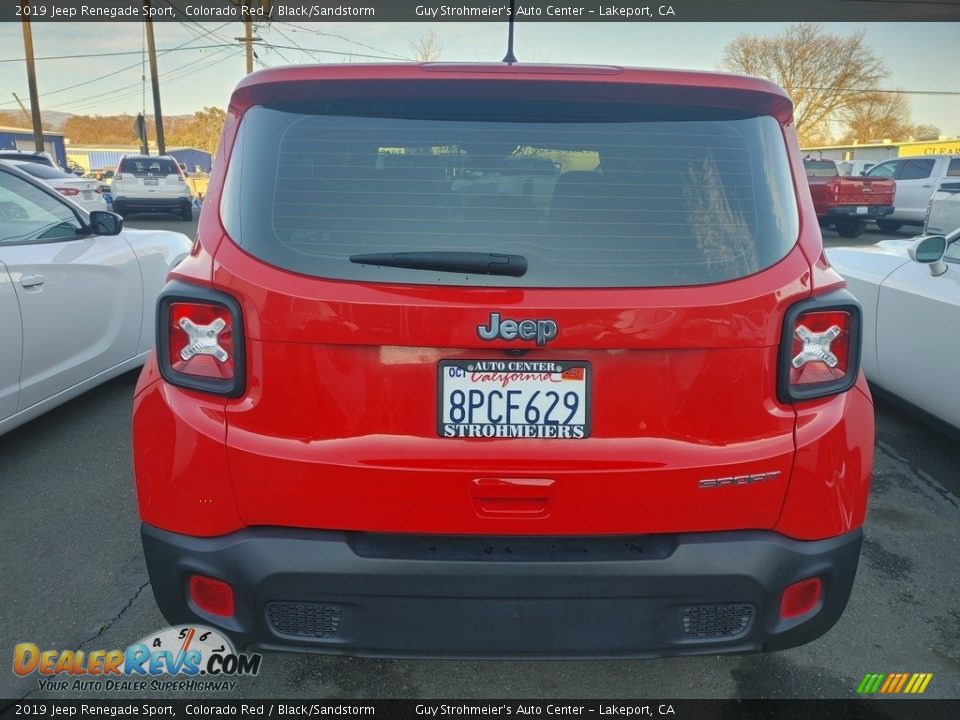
{"points": [[505, 361]]}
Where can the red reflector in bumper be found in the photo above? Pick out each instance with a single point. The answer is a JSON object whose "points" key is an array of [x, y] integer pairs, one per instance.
{"points": [[212, 596], [800, 598]]}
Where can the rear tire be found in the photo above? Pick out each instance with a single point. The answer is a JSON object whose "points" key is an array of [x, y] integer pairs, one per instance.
{"points": [[889, 225], [186, 214], [851, 228]]}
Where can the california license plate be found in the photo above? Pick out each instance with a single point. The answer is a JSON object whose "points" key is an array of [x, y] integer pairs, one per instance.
{"points": [[151, 181], [862, 209], [545, 399]]}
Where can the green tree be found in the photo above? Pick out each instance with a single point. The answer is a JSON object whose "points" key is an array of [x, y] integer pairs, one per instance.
{"points": [[202, 131]]}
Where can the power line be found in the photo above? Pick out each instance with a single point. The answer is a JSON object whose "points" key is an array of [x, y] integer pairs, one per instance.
{"points": [[114, 54], [289, 39], [301, 28], [112, 96], [115, 72], [880, 90]]}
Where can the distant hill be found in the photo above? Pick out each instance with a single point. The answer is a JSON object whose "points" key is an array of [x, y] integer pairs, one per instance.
{"points": [[54, 119]]}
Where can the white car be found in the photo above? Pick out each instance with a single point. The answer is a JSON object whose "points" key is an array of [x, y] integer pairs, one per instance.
{"points": [[77, 296], [917, 180], [910, 292], [86, 193], [151, 184]]}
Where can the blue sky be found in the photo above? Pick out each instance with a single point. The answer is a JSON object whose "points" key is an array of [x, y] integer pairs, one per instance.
{"points": [[919, 55]]}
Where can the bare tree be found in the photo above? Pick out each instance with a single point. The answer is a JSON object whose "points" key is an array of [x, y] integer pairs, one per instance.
{"points": [[824, 74], [426, 47], [925, 132], [874, 117]]}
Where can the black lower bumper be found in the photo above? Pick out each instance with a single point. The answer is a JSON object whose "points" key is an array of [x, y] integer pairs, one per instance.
{"points": [[148, 205], [842, 212], [398, 596]]}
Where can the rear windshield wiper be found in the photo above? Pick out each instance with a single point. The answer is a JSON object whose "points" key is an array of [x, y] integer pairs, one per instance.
{"points": [[449, 261]]}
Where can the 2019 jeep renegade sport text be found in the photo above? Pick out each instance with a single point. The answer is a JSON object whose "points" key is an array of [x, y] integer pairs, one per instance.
{"points": [[505, 361]]}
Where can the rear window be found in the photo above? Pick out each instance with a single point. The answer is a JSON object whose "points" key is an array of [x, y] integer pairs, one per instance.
{"points": [[822, 168], [627, 197], [148, 167]]}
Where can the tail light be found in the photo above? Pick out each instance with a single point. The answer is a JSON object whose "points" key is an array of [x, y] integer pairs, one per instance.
{"points": [[800, 598], [69, 192], [820, 347], [212, 596], [200, 340]]}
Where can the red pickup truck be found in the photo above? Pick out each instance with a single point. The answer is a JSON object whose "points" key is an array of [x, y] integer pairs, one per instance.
{"points": [[846, 203]]}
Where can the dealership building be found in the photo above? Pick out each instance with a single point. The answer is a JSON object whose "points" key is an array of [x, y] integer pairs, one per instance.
{"points": [[13, 138], [96, 157], [876, 152]]}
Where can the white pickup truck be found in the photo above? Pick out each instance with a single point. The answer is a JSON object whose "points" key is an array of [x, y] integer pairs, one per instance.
{"points": [[943, 215], [917, 180]]}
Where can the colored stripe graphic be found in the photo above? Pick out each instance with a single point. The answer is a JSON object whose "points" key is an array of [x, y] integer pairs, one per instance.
{"points": [[894, 683], [871, 683]]}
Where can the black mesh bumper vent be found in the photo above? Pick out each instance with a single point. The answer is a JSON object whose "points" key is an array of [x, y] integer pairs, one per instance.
{"points": [[302, 619], [705, 622]]}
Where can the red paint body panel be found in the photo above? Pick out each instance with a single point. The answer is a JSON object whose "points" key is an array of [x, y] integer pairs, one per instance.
{"points": [[831, 476], [183, 483], [337, 427]]}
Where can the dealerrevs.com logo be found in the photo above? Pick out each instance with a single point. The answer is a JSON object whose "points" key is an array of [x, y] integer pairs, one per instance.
{"points": [[199, 657]]}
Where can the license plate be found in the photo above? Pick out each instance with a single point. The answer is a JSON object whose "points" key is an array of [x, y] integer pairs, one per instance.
{"points": [[87, 195], [546, 399], [862, 210], [151, 181]]}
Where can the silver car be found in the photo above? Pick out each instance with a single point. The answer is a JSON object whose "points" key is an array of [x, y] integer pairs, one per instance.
{"points": [[77, 295]]}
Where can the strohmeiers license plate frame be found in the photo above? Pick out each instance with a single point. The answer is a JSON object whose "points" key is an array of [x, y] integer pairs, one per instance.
{"points": [[515, 366]]}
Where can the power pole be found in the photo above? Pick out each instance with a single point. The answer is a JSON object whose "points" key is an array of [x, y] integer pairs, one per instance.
{"points": [[32, 79], [248, 36], [158, 113]]}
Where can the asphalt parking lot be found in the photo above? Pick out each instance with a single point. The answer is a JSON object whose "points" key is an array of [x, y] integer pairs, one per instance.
{"points": [[73, 577]]}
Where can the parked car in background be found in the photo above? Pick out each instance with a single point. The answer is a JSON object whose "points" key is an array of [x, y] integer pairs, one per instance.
{"points": [[917, 179], [77, 295], [910, 294], [88, 194], [103, 182], [151, 184], [943, 215], [391, 415], [853, 168], [846, 203], [41, 158]]}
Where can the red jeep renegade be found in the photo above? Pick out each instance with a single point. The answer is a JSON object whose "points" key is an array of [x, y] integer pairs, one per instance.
{"points": [[505, 360]]}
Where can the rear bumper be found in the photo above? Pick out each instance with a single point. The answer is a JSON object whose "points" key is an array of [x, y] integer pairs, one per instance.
{"points": [[850, 211], [150, 204], [419, 595]]}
